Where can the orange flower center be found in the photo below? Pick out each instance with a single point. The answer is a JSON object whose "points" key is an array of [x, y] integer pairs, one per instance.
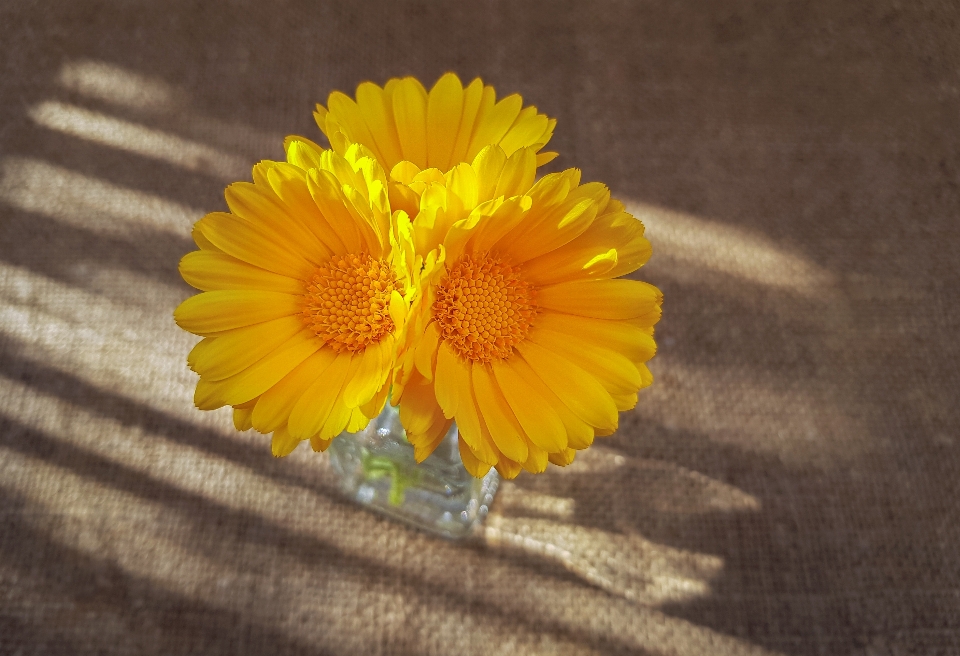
{"points": [[483, 308], [347, 302]]}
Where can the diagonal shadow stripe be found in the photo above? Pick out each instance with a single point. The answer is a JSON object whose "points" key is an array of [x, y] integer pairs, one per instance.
{"points": [[195, 188], [19, 636], [98, 586], [231, 525], [128, 412], [59, 250]]}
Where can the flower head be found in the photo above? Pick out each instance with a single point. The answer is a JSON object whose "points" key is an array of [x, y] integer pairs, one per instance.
{"points": [[402, 122], [303, 286], [523, 331]]}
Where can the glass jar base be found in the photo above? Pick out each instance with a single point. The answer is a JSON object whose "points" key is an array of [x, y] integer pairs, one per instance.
{"points": [[377, 469]]}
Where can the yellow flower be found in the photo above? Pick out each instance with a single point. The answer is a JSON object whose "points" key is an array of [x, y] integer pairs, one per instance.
{"points": [[437, 202], [522, 330], [304, 285], [405, 126]]}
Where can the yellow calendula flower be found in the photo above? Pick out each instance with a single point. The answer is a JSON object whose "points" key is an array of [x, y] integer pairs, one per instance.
{"points": [[522, 330], [413, 132], [304, 286]]}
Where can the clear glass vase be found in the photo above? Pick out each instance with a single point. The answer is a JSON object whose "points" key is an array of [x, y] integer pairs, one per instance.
{"points": [[377, 469]]}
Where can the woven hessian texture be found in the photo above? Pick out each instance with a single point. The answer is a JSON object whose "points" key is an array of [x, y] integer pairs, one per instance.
{"points": [[788, 485]]}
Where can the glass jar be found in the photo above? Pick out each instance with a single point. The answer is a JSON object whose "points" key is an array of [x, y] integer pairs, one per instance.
{"points": [[377, 469]]}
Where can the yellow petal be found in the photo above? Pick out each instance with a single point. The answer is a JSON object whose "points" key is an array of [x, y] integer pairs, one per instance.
{"points": [[351, 118], [326, 192], [471, 105], [371, 372], [601, 299], [419, 409], [469, 422], [573, 218], [397, 309], [302, 153], [498, 121], [536, 462], [312, 409], [214, 312], [553, 188], [260, 206], [625, 402], [579, 434], [426, 353], [404, 172], [518, 173], [266, 372], [379, 119], [545, 158], [535, 414], [241, 418], [197, 349], [620, 336], [488, 164], [318, 444], [503, 426], [490, 230], [645, 376], [526, 130], [273, 408], [337, 421], [619, 232], [563, 458], [410, 113], [321, 115], [256, 244], [231, 352], [201, 240], [283, 443], [207, 395], [462, 183], [578, 390], [488, 98], [616, 373], [404, 198], [358, 421], [444, 110], [374, 406], [209, 271], [471, 463], [508, 468], [431, 440], [318, 237], [445, 380]]}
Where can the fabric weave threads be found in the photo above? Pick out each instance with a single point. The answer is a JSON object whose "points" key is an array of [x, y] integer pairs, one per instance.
{"points": [[788, 487]]}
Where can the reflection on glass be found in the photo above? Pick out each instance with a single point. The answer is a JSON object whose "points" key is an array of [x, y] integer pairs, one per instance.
{"points": [[378, 470]]}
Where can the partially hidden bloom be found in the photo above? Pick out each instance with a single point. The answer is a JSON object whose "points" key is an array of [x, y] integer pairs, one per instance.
{"points": [[404, 124], [522, 329], [304, 291]]}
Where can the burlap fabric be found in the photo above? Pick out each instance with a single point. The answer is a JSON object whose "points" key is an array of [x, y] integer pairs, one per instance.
{"points": [[787, 486]]}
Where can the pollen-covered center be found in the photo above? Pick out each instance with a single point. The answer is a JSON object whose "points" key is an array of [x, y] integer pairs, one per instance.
{"points": [[348, 302], [483, 308]]}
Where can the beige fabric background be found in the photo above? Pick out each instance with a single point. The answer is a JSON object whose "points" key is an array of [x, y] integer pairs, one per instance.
{"points": [[787, 486]]}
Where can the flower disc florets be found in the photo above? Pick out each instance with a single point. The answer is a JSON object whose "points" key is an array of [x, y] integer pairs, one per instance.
{"points": [[483, 308], [348, 302]]}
